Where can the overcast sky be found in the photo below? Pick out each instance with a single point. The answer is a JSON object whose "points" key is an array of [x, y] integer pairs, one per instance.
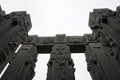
{"points": [[50, 17]]}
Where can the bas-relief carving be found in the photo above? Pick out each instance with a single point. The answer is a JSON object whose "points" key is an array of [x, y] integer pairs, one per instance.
{"points": [[110, 18], [60, 38], [60, 65], [60, 60], [75, 39], [107, 41], [45, 40]]}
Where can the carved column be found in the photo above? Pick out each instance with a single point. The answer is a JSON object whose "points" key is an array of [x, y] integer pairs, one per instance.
{"points": [[23, 64], [101, 65], [60, 65]]}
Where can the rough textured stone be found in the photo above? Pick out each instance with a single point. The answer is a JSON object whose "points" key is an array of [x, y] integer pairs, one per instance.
{"points": [[101, 48]]}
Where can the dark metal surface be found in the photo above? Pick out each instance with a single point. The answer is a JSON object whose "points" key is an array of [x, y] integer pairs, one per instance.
{"points": [[101, 48]]}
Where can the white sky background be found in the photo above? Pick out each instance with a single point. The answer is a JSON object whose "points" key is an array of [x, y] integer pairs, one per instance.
{"points": [[50, 17]]}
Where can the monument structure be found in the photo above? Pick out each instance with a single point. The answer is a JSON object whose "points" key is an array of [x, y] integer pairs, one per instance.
{"points": [[101, 48]]}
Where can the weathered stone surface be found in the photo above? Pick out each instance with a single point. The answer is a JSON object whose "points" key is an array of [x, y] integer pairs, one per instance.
{"points": [[60, 65], [101, 48], [14, 29]]}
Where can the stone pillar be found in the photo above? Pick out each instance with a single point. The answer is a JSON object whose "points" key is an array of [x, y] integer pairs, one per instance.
{"points": [[60, 65]]}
